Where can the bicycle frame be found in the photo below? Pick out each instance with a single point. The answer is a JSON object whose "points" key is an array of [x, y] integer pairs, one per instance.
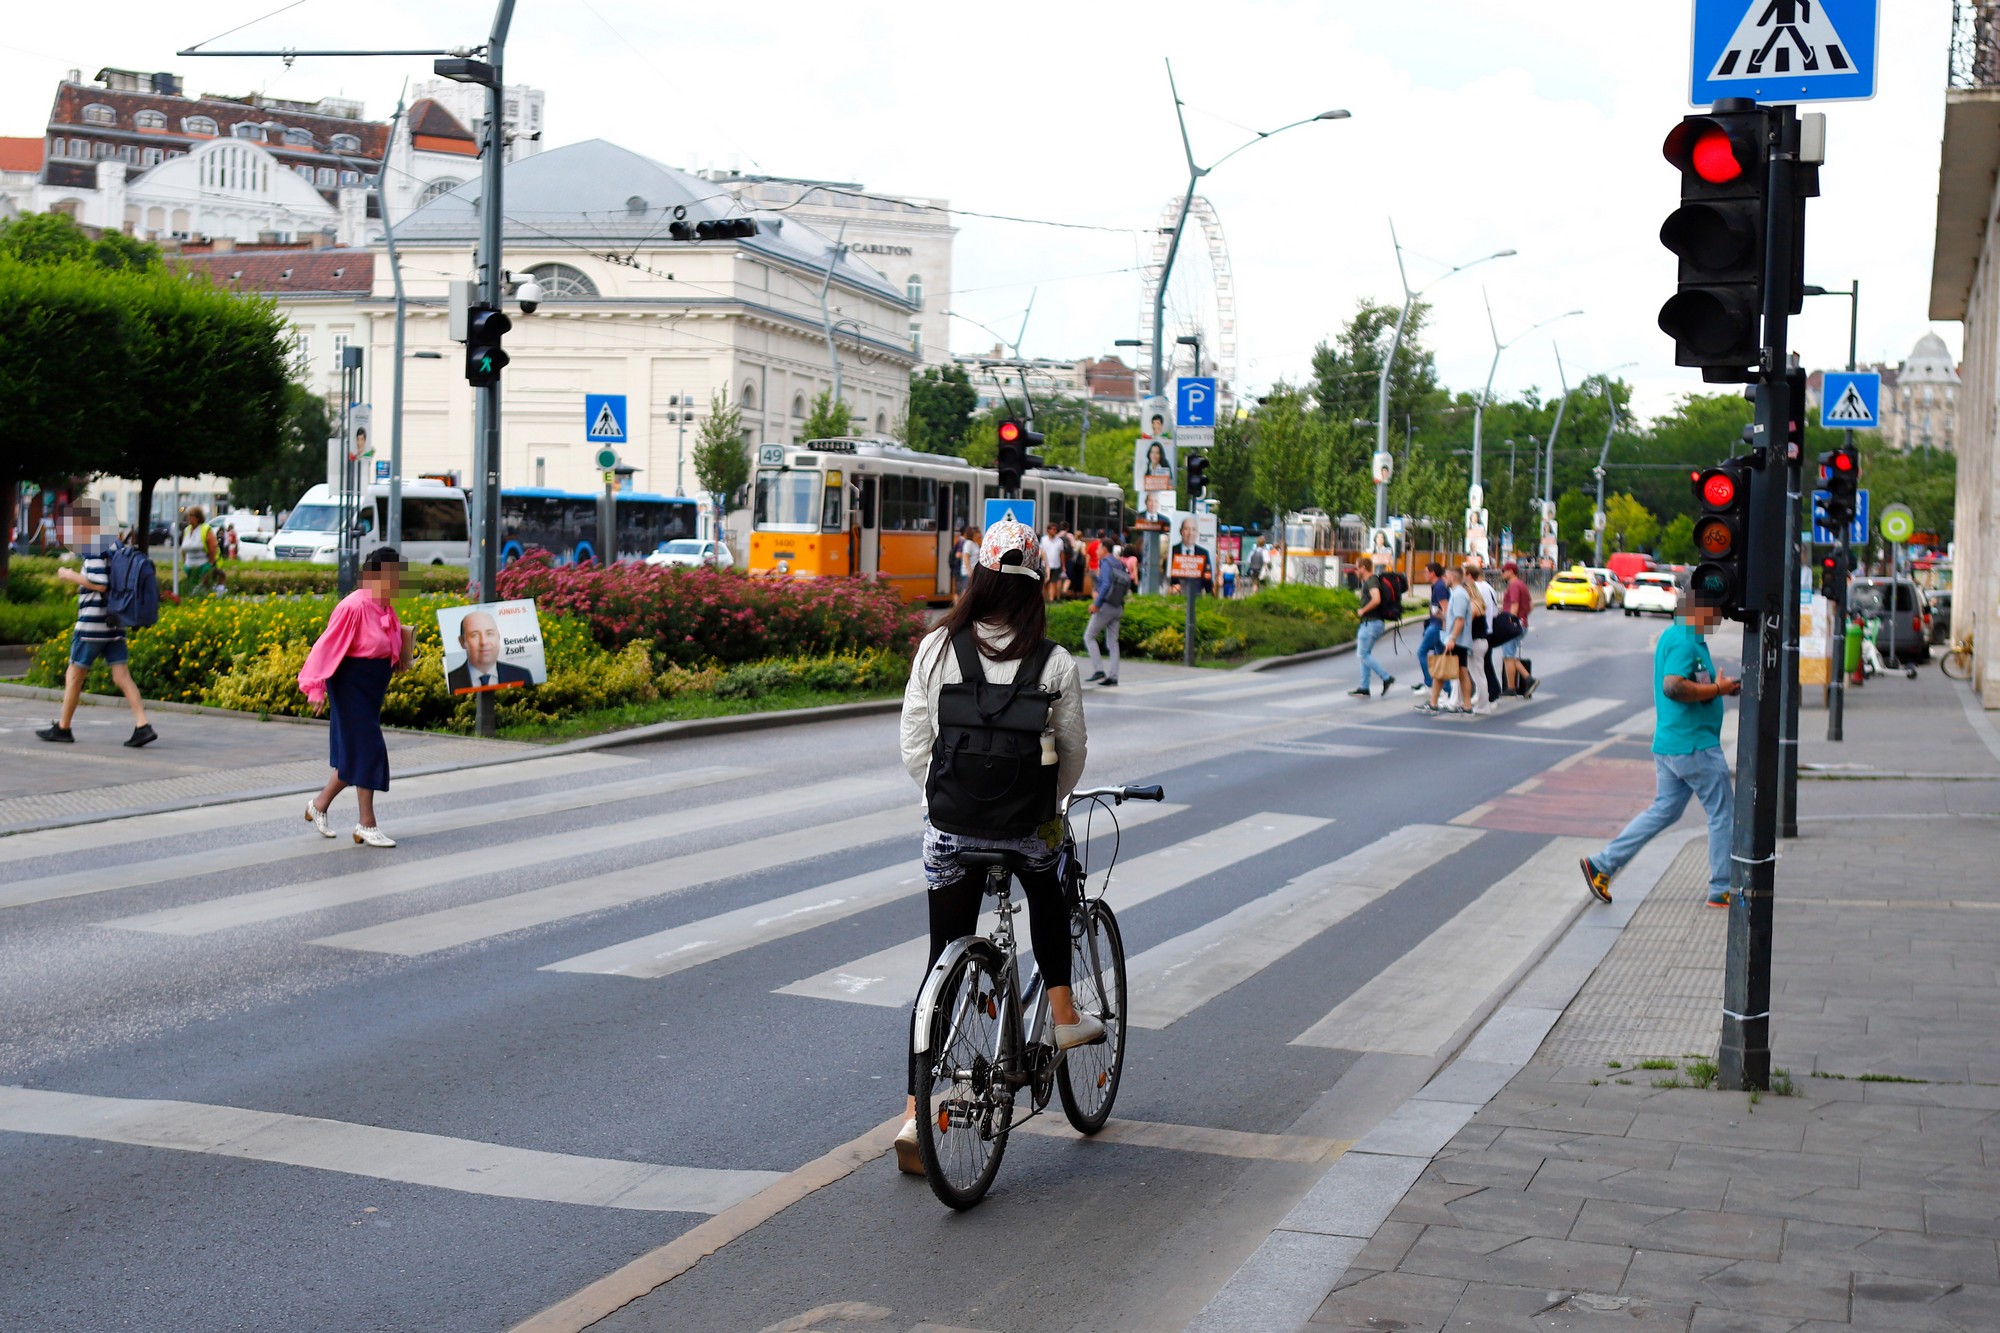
{"points": [[1021, 1029]]}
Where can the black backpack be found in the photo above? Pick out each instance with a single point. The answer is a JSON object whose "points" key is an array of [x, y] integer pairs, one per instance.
{"points": [[987, 778], [1393, 588]]}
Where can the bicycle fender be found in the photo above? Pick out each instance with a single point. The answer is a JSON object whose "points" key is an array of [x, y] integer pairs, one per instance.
{"points": [[927, 994]]}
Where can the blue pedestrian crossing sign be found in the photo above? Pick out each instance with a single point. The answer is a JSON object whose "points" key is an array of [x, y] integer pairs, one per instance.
{"points": [[1020, 509], [1784, 50], [1857, 530], [604, 418], [1851, 400]]}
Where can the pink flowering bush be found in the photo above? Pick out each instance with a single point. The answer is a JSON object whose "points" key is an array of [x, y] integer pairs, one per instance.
{"points": [[690, 616]]}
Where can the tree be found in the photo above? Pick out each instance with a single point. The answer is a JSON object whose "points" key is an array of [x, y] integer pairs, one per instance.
{"points": [[1677, 541], [1347, 372], [1629, 525], [941, 403], [830, 418], [721, 464], [53, 238], [300, 460], [1286, 453], [1574, 510]]}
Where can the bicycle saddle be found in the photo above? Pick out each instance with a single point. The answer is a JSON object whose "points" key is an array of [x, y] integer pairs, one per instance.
{"points": [[988, 858]]}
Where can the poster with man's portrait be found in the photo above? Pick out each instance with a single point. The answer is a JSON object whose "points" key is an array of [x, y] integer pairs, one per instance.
{"points": [[492, 646]]}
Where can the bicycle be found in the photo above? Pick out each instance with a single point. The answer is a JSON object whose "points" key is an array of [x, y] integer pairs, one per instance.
{"points": [[1957, 663], [982, 1033]]}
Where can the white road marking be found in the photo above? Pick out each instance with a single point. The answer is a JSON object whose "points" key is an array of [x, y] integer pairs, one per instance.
{"points": [[1173, 979], [889, 977], [1320, 683], [234, 814], [305, 843], [417, 935], [676, 950], [1571, 715], [1419, 1002], [465, 1165]]}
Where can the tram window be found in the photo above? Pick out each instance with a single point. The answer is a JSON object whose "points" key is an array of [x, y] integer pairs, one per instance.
{"points": [[961, 503], [868, 502], [909, 504], [829, 511], [787, 499]]}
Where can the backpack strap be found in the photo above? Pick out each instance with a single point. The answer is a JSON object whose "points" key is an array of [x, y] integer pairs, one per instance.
{"points": [[967, 651]]}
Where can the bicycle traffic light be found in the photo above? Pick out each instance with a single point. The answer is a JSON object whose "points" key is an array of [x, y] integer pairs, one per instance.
{"points": [[1197, 477], [1840, 474], [1722, 537], [1716, 317], [1016, 456], [484, 357]]}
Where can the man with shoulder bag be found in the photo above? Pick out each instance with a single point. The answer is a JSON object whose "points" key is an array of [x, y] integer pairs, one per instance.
{"points": [[1377, 596]]}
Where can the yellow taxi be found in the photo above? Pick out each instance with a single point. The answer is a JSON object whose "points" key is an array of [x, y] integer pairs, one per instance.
{"points": [[1575, 589]]}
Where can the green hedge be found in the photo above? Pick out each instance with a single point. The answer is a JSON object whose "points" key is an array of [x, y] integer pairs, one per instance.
{"points": [[35, 622], [1283, 618]]}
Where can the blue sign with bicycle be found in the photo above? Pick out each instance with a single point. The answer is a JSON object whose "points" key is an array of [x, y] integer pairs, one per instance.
{"points": [[1784, 50], [1857, 531]]}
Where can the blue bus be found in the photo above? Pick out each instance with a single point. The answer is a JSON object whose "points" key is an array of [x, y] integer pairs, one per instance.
{"points": [[564, 523]]}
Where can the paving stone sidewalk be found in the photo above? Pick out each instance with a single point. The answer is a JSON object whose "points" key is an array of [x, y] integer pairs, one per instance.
{"points": [[1592, 1195]]}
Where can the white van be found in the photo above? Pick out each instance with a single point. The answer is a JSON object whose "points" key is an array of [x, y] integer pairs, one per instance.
{"points": [[434, 525]]}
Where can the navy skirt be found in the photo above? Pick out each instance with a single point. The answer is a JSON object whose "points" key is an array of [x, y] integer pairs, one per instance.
{"points": [[354, 698]]}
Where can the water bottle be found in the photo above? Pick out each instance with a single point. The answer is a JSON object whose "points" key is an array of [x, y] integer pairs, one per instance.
{"points": [[1048, 746]]}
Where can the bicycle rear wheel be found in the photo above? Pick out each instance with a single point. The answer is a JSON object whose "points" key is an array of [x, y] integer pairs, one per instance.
{"points": [[1089, 1078], [963, 1109], [1957, 664]]}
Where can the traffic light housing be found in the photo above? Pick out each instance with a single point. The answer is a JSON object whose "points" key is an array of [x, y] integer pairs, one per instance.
{"points": [[1716, 318], [1840, 475], [1197, 477], [484, 356], [1017, 454], [713, 229], [1722, 537]]}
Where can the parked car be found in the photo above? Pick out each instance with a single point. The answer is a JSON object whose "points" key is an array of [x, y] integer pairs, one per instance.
{"points": [[1652, 593], [1940, 600], [1608, 584], [253, 533], [687, 552], [1904, 632], [1574, 589]]}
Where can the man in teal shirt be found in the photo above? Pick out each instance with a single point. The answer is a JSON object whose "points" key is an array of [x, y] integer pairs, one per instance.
{"points": [[1687, 753]]}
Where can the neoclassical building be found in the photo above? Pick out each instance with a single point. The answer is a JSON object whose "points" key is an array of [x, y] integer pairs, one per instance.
{"points": [[1920, 399]]}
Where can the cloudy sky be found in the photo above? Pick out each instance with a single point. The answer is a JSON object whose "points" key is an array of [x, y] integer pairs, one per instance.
{"points": [[1532, 126]]}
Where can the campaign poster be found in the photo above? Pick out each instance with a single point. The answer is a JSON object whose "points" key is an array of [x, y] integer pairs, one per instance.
{"points": [[492, 646]]}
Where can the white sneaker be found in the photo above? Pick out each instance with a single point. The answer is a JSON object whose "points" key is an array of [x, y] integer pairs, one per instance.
{"points": [[371, 836], [907, 1160], [317, 818], [1086, 1031]]}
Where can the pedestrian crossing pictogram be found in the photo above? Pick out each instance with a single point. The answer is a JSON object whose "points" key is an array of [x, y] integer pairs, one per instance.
{"points": [[1851, 407], [606, 426], [1783, 37]]}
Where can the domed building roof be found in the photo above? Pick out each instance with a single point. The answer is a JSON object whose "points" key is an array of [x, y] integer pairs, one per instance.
{"points": [[1929, 363], [598, 195]]}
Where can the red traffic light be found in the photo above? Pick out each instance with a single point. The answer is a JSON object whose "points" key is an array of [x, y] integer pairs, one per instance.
{"points": [[1010, 431], [1706, 148], [1843, 461], [1718, 490], [1829, 563]]}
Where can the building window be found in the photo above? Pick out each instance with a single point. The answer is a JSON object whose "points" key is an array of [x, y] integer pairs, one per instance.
{"points": [[346, 143], [306, 172], [299, 138], [560, 282], [914, 289], [541, 472], [99, 114], [248, 131], [151, 157], [327, 176], [881, 423], [150, 120], [437, 187], [798, 404], [916, 338], [350, 178], [128, 153], [749, 398], [198, 125], [107, 150]]}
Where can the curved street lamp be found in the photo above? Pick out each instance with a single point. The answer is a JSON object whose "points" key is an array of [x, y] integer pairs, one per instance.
{"points": [[1475, 497]]}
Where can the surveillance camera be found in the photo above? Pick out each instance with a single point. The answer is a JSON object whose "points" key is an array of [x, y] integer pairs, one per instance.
{"points": [[529, 294]]}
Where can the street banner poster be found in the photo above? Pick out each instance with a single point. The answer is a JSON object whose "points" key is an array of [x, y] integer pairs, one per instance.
{"points": [[360, 423], [1189, 566], [492, 646]]}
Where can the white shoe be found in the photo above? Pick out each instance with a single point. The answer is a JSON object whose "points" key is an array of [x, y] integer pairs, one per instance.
{"points": [[317, 818], [907, 1160], [371, 836], [1086, 1031]]}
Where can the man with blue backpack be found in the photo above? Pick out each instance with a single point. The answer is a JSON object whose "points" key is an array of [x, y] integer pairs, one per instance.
{"points": [[113, 592]]}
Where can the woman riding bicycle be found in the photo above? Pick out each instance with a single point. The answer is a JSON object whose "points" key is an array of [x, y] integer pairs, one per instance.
{"points": [[998, 625]]}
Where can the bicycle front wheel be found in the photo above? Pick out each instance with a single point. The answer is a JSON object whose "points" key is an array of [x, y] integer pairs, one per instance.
{"points": [[1957, 664], [964, 1109], [1089, 1079]]}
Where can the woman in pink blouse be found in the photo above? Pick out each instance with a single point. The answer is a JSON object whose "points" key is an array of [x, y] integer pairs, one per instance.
{"points": [[349, 667]]}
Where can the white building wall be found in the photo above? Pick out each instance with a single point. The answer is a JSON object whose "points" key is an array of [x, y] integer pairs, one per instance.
{"points": [[1976, 557]]}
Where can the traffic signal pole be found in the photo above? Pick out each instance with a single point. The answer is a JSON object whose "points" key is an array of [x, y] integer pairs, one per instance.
{"points": [[1788, 743], [492, 275], [1744, 1058]]}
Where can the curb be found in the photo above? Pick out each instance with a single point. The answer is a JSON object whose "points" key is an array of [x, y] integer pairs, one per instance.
{"points": [[1319, 654]]}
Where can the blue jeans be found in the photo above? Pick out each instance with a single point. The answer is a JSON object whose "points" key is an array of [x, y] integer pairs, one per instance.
{"points": [[1365, 639], [1433, 643], [1703, 775]]}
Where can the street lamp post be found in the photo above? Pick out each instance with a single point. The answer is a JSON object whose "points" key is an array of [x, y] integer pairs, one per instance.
{"points": [[1378, 540], [1836, 701], [1475, 499]]}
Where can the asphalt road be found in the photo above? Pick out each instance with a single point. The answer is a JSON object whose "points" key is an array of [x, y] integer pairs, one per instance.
{"points": [[251, 1080]]}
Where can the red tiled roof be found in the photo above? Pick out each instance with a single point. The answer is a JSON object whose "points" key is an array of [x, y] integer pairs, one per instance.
{"points": [[20, 154], [279, 271], [429, 117]]}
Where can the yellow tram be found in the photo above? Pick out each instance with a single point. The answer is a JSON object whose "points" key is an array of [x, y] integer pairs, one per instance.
{"points": [[874, 509]]}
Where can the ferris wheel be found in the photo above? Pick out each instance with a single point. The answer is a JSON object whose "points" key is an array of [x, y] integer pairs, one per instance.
{"points": [[1201, 297]]}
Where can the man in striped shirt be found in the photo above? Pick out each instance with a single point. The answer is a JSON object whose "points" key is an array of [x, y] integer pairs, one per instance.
{"points": [[95, 636]]}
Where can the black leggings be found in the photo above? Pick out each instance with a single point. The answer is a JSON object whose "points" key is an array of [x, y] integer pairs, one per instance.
{"points": [[955, 914]]}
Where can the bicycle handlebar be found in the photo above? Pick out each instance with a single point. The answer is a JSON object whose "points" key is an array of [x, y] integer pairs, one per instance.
{"points": [[1119, 795]]}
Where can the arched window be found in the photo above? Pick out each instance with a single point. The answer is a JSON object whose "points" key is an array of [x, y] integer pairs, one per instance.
{"points": [[560, 282], [297, 138], [914, 289], [798, 404], [881, 423], [198, 124], [150, 120], [346, 143], [99, 114], [246, 130], [444, 185], [749, 399]]}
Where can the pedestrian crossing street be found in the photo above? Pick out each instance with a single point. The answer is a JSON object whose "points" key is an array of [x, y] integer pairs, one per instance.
{"points": [[1252, 927]]}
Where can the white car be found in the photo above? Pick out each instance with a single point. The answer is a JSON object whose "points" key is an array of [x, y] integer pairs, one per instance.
{"points": [[1658, 593], [688, 552], [1614, 591]]}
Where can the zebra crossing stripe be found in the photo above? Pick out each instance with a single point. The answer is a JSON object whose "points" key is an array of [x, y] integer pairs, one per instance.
{"points": [[1171, 980], [415, 936], [1419, 1003], [1571, 715], [889, 977]]}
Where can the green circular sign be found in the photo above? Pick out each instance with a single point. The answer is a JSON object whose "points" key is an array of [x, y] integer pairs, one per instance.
{"points": [[607, 457], [1898, 523]]}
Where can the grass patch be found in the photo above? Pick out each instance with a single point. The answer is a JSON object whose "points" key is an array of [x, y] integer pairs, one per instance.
{"points": [[1657, 1064], [1701, 1073], [1887, 1078], [1613, 1064], [1821, 1073], [1623, 1082], [1670, 1081], [599, 721], [1782, 1085]]}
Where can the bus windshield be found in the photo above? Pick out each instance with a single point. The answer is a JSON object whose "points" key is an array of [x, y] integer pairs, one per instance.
{"points": [[314, 518], [787, 501]]}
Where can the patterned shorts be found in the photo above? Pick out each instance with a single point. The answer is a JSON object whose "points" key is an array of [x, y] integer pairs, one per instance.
{"points": [[941, 849]]}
